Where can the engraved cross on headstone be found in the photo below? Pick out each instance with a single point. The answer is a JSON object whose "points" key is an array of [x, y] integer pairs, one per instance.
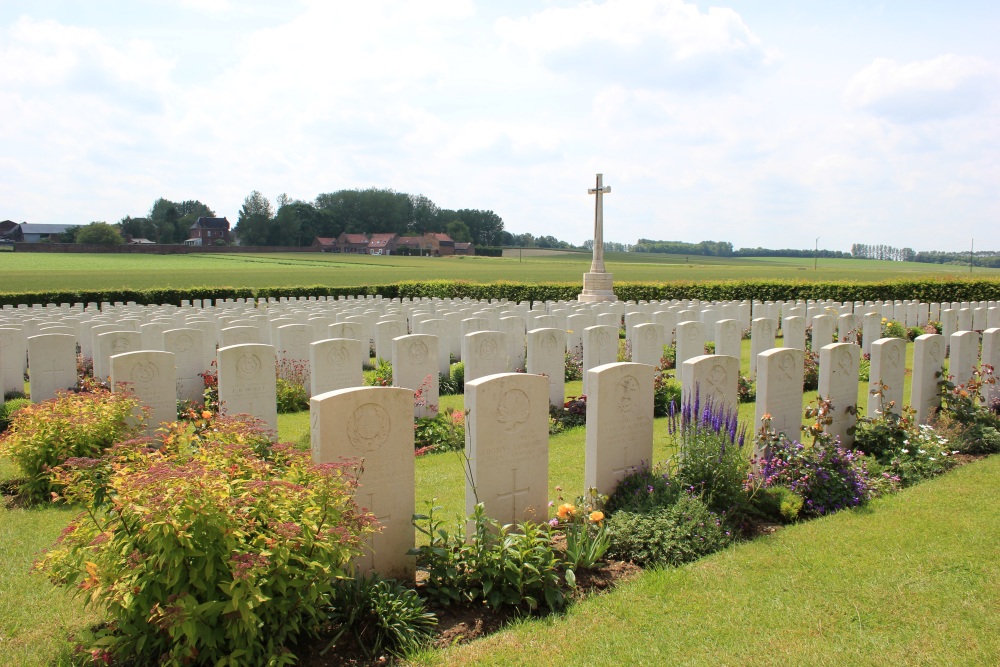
{"points": [[367, 560], [597, 265], [513, 496], [619, 473]]}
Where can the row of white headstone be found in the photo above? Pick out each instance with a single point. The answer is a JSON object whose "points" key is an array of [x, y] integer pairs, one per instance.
{"points": [[507, 424]]}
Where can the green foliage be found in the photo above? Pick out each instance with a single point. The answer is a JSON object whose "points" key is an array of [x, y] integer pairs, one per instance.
{"points": [[929, 290], [778, 503], [893, 329], [644, 490], [382, 616], [865, 368], [746, 389], [585, 530], [447, 386], [810, 372], [381, 376], [99, 233], [441, 433], [573, 369], [666, 390], [43, 435], [672, 535], [291, 380], [458, 376], [572, 413], [501, 566], [8, 408], [710, 458], [200, 551]]}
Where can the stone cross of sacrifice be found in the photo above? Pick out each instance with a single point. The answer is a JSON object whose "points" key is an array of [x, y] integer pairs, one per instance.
{"points": [[597, 265]]}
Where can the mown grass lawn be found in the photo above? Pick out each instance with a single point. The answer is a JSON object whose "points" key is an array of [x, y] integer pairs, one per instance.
{"points": [[914, 579], [26, 272]]}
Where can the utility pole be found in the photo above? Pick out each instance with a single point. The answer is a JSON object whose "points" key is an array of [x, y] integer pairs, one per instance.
{"points": [[816, 255], [972, 251]]}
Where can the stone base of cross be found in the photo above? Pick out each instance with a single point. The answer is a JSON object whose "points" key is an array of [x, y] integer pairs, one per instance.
{"points": [[597, 287]]}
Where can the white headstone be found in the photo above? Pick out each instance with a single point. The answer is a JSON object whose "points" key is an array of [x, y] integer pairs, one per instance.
{"points": [[415, 367], [152, 377], [247, 382], [779, 390], [52, 365], [506, 442], [888, 367], [484, 353], [600, 346], [762, 332], [964, 356], [374, 424], [928, 364], [334, 363], [714, 377], [838, 382], [187, 348], [619, 423], [547, 356], [646, 343]]}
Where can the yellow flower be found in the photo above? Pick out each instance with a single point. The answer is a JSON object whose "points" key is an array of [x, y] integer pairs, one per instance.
{"points": [[566, 511], [597, 516]]}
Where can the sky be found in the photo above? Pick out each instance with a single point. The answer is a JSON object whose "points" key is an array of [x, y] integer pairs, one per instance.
{"points": [[761, 122]]}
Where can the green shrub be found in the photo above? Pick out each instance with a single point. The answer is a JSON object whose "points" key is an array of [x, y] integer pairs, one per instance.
{"points": [[673, 535], [290, 385], [441, 433], [666, 391], [44, 435], [202, 552], [746, 389], [572, 413], [381, 615], [573, 370], [893, 329], [458, 375], [501, 566], [8, 408], [448, 387], [778, 503], [381, 376], [643, 490]]}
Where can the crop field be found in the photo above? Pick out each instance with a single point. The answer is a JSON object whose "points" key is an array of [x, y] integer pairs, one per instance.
{"points": [[28, 272]]}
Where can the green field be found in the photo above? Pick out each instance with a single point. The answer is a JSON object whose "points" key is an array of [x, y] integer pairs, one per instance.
{"points": [[29, 272]]}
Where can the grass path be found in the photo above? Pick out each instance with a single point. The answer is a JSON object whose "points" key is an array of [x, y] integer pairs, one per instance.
{"points": [[912, 580]]}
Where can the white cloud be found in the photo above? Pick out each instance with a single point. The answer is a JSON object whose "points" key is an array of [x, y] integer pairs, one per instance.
{"points": [[645, 43], [943, 87]]}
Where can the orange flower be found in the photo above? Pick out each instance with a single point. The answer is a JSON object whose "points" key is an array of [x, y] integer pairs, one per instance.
{"points": [[597, 516], [566, 511], [205, 414]]}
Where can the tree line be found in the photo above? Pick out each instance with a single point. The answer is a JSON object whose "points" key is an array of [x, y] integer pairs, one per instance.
{"points": [[295, 222]]}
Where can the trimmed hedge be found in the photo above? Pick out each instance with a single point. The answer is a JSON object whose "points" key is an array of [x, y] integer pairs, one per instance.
{"points": [[927, 290]]}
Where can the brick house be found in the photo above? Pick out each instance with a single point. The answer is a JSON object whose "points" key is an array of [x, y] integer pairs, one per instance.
{"points": [[10, 231], [325, 244], [209, 230], [442, 245], [356, 244], [464, 249], [382, 244]]}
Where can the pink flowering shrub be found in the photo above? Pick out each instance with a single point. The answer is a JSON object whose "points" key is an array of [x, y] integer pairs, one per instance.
{"points": [[201, 550]]}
